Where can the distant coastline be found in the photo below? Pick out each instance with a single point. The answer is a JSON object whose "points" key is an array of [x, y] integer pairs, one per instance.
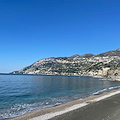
{"points": [[105, 65], [4, 73], [100, 77]]}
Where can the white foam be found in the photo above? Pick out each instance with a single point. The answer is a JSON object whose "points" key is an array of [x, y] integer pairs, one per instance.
{"points": [[111, 88], [74, 107], [105, 96], [100, 91], [106, 89], [114, 87]]}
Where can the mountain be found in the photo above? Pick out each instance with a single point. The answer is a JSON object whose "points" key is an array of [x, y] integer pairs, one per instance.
{"points": [[102, 65], [82, 56], [110, 53]]}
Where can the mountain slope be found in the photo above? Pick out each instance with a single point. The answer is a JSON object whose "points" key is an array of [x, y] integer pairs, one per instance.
{"points": [[110, 53], [104, 65]]}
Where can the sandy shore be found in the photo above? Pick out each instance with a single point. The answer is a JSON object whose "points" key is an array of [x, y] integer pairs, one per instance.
{"points": [[105, 106]]}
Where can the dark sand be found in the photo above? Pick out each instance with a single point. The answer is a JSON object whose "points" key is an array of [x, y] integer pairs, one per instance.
{"points": [[106, 109]]}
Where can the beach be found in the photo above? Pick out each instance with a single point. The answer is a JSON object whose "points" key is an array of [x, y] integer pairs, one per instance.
{"points": [[107, 109], [105, 106]]}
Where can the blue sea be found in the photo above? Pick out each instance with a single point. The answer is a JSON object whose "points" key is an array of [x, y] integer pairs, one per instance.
{"points": [[20, 94]]}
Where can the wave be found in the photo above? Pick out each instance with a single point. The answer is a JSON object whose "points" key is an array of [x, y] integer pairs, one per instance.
{"points": [[106, 90], [20, 109]]}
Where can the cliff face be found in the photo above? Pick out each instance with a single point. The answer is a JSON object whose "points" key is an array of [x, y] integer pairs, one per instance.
{"points": [[101, 65]]}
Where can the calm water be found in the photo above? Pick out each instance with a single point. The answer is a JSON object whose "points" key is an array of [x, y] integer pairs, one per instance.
{"points": [[20, 94]]}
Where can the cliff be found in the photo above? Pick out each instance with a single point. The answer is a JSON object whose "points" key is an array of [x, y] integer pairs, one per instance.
{"points": [[102, 65]]}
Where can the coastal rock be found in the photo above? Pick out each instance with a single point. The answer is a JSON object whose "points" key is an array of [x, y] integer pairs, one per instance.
{"points": [[102, 65]]}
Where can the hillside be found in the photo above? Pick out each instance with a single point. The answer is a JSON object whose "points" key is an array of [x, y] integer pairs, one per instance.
{"points": [[102, 65]]}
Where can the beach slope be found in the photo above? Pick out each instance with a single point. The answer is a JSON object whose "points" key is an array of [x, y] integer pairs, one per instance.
{"points": [[107, 109], [105, 106]]}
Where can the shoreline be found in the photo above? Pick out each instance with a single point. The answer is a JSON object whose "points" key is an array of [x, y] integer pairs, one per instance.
{"points": [[99, 77], [51, 112]]}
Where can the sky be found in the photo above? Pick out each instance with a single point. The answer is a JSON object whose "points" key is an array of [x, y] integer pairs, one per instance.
{"points": [[31, 30]]}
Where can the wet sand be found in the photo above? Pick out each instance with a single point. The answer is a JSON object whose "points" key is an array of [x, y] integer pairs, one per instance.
{"points": [[105, 106]]}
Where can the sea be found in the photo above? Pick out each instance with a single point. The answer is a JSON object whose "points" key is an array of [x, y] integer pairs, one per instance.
{"points": [[20, 94]]}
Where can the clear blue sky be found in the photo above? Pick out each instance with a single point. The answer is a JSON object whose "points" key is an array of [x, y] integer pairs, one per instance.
{"points": [[34, 29]]}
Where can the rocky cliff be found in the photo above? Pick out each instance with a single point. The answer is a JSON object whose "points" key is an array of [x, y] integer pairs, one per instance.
{"points": [[102, 65]]}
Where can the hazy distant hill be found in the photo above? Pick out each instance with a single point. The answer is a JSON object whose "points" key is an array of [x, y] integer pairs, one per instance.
{"points": [[105, 65]]}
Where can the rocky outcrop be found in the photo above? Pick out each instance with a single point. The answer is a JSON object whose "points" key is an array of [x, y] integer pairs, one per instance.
{"points": [[102, 65]]}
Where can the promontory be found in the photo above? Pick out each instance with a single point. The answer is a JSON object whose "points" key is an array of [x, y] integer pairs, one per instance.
{"points": [[102, 65]]}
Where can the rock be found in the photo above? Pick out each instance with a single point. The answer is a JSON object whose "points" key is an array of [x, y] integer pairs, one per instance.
{"points": [[103, 65]]}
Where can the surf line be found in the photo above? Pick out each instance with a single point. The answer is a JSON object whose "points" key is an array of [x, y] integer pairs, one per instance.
{"points": [[74, 107]]}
